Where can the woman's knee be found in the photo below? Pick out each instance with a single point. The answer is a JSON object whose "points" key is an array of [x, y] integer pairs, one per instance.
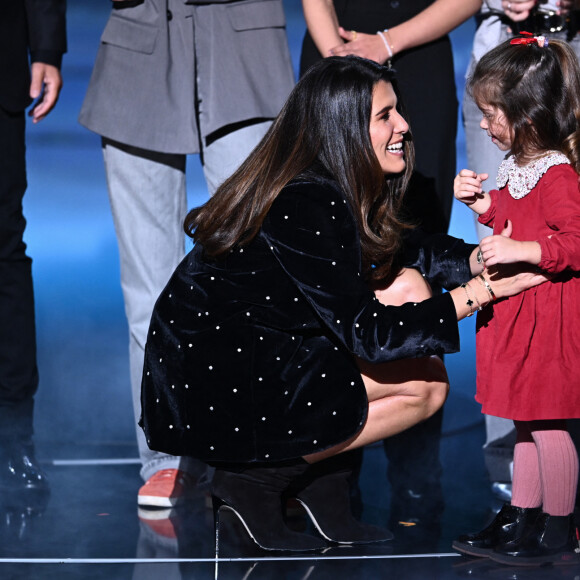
{"points": [[422, 382], [408, 286]]}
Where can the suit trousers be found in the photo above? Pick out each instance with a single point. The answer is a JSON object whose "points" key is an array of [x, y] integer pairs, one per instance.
{"points": [[147, 192], [18, 368]]}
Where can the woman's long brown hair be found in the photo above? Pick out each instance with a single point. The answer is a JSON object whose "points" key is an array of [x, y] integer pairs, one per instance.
{"points": [[324, 124]]}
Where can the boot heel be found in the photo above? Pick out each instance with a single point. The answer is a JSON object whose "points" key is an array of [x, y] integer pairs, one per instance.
{"points": [[325, 495], [254, 495], [216, 503]]}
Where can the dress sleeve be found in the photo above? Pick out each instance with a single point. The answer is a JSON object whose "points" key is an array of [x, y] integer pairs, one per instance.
{"points": [[488, 217], [560, 205], [442, 259], [313, 236]]}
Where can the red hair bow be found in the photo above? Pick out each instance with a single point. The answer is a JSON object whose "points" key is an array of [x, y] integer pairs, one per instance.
{"points": [[529, 38]]}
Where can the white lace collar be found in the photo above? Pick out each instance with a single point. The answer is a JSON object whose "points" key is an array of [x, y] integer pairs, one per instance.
{"points": [[523, 179]]}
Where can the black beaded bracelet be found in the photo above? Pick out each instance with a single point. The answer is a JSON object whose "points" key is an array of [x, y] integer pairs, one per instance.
{"points": [[469, 300]]}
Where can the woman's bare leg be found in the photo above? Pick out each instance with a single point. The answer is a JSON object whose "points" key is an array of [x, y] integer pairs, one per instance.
{"points": [[401, 393]]}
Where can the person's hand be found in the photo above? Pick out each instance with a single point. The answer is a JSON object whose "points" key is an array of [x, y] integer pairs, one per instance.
{"points": [[45, 85], [467, 186], [511, 279], [503, 250], [518, 10], [500, 249], [565, 6], [368, 46]]}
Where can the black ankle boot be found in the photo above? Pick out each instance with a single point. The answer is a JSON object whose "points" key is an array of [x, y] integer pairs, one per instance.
{"points": [[324, 491], [551, 540], [254, 494], [509, 525]]}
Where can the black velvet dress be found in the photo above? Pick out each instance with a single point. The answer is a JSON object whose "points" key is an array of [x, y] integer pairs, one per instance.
{"points": [[426, 79], [252, 358]]}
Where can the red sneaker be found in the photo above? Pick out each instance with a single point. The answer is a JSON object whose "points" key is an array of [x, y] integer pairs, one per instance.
{"points": [[159, 521], [166, 488]]}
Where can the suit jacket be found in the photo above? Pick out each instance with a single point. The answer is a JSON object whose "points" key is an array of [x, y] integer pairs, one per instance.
{"points": [[252, 358], [35, 27], [154, 57]]}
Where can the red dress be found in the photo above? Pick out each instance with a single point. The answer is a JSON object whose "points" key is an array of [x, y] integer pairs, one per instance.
{"points": [[528, 346]]}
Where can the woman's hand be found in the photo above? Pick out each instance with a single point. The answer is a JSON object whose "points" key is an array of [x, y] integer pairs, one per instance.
{"points": [[368, 46], [509, 280]]}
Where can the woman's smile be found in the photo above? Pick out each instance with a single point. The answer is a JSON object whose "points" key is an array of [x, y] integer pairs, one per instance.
{"points": [[387, 129]]}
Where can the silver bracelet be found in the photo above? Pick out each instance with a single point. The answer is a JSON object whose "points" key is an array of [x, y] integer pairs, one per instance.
{"points": [[389, 50]]}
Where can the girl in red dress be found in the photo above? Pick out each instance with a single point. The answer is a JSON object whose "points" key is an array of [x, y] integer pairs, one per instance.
{"points": [[528, 352]]}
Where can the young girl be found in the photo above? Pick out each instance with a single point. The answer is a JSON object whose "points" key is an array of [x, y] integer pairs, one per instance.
{"points": [[528, 353]]}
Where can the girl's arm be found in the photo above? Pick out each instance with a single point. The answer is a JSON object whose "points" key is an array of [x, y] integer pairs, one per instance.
{"points": [[430, 24], [560, 248], [467, 189]]}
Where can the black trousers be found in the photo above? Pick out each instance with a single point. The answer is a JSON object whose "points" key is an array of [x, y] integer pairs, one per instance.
{"points": [[18, 369]]}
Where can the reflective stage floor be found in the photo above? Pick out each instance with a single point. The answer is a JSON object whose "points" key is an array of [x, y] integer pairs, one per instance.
{"points": [[90, 526]]}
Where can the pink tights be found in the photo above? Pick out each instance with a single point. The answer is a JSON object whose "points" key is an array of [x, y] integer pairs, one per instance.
{"points": [[545, 467]]}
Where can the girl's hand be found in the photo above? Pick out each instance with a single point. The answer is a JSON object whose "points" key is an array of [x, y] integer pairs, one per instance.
{"points": [[467, 186], [503, 250], [368, 46], [500, 249]]}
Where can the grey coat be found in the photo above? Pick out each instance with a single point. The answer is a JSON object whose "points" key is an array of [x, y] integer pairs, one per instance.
{"points": [[143, 90]]}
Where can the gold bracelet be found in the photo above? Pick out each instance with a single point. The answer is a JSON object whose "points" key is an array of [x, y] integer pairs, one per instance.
{"points": [[487, 286], [469, 300], [479, 306]]}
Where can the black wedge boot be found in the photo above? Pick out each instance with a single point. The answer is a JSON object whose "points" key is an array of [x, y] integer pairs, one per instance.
{"points": [[324, 491], [509, 525], [552, 540], [254, 494]]}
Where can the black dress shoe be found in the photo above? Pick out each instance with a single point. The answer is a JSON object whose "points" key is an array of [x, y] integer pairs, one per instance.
{"points": [[19, 468]]}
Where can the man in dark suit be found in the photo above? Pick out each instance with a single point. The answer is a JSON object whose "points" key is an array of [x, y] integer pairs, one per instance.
{"points": [[35, 31]]}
